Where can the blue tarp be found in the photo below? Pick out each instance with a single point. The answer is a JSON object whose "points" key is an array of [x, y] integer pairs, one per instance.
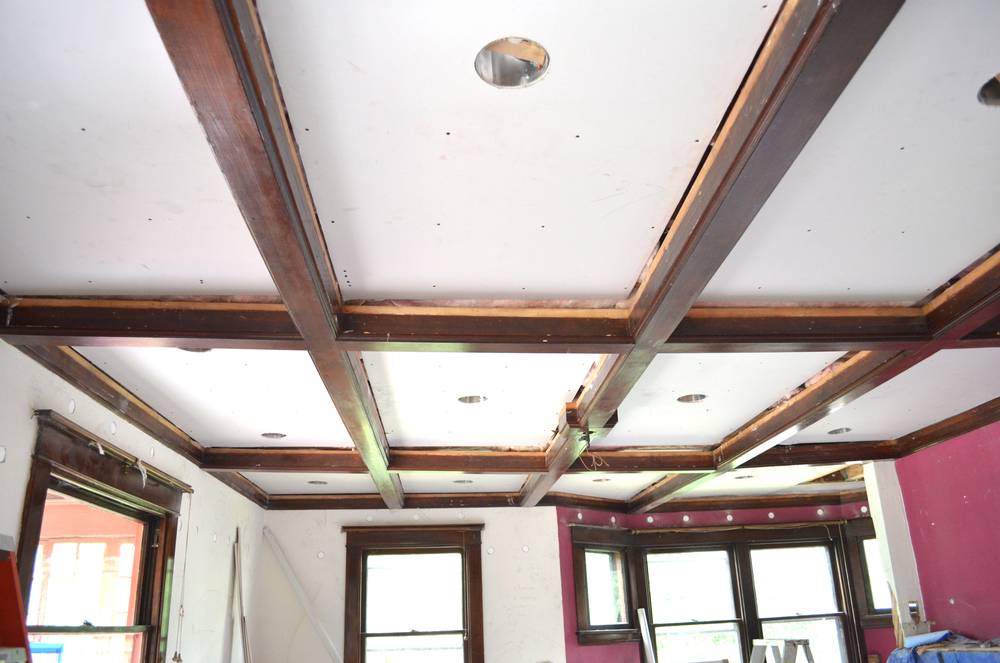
{"points": [[945, 647]]}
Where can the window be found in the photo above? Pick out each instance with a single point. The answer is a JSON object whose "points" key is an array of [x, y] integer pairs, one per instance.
{"points": [[709, 594], [871, 585], [797, 598], [95, 550], [693, 608], [414, 595]]}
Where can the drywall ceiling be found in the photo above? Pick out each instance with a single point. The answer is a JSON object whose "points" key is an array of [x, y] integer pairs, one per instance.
{"points": [[738, 386], [230, 397], [896, 191], [107, 183], [947, 383], [768, 480], [417, 395], [431, 183], [458, 482], [298, 483], [609, 485]]}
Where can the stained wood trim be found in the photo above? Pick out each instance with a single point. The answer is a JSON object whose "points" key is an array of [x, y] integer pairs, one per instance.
{"points": [[959, 424], [414, 500], [809, 56], [244, 487], [75, 369], [827, 453], [762, 501], [656, 495], [225, 323], [220, 55]]}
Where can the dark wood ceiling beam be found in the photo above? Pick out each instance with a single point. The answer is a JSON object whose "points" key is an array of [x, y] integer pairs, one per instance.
{"points": [[79, 372], [219, 53], [810, 54], [827, 453], [959, 424], [244, 487], [725, 503], [200, 323]]}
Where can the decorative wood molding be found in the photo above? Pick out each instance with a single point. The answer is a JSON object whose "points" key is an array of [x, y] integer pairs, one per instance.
{"points": [[220, 54]]}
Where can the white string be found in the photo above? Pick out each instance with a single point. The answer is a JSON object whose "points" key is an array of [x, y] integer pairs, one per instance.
{"points": [[180, 611]]}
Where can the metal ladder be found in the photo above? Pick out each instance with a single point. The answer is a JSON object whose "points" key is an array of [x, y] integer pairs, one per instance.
{"points": [[783, 651]]}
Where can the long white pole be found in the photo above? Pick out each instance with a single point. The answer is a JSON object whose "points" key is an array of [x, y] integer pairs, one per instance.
{"points": [[307, 605]]}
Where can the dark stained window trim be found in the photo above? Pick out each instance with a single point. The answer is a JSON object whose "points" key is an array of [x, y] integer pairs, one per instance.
{"points": [[69, 459], [857, 531], [738, 540], [466, 539]]}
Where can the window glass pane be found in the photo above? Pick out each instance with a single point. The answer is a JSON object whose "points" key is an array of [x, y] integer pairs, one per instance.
{"points": [[85, 648], [880, 596], [415, 649], [86, 566], [690, 586], [605, 588], [825, 636], [420, 592], [793, 581], [698, 642]]}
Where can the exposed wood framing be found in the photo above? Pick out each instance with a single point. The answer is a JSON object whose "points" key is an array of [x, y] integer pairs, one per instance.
{"points": [[219, 53]]}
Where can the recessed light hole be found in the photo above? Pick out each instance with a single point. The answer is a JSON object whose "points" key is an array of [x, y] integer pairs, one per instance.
{"points": [[691, 398], [989, 93], [273, 436], [471, 399], [317, 482], [512, 62], [839, 431]]}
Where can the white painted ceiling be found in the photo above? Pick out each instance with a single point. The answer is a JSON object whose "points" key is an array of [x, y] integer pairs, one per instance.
{"points": [[444, 482], [107, 183], [738, 385], [230, 397], [417, 395], [896, 191], [297, 483], [610, 485], [947, 383], [768, 480], [432, 184]]}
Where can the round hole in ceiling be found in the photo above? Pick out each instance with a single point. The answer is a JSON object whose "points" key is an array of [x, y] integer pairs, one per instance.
{"points": [[839, 431], [317, 482], [691, 398], [273, 436], [512, 62], [462, 481], [471, 399]]}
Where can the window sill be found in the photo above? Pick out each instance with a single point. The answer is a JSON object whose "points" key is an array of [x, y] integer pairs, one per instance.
{"points": [[881, 620], [607, 636]]}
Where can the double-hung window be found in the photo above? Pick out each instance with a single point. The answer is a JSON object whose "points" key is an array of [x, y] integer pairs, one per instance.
{"points": [[414, 595]]}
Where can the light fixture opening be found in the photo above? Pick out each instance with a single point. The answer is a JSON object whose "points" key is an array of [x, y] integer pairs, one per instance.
{"points": [[273, 436], [742, 477], [691, 398], [317, 482], [462, 481], [512, 62], [989, 93], [839, 431], [471, 399], [198, 350], [601, 480]]}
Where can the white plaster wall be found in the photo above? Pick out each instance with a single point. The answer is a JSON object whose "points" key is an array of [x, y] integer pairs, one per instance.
{"points": [[522, 594], [211, 513]]}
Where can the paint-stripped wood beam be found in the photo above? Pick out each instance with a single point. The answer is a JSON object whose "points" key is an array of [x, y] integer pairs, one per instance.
{"points": [[960, 424], [220, 56], [808, 57], [201, 323], [247, 488]]}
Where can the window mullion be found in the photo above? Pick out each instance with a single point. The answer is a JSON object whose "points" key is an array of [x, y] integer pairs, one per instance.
{"points": [[747, 596]]}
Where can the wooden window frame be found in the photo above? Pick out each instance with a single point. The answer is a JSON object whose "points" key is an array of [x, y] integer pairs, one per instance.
{"points": [[464, 539], [738, 542], [72, 461], [858, 531]]}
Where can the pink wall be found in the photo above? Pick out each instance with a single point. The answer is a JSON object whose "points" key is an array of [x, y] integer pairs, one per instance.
{"points": [[952, 497], [629, 652]]}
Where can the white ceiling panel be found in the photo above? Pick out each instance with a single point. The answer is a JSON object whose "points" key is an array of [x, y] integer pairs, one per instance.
{"points": [[609, 485], [768, 480], [418, 392], [107, 183], [738, 386], [230, 397], [947, 383], [458, 482], [432, 184], [312, 483], [896, 191]]}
